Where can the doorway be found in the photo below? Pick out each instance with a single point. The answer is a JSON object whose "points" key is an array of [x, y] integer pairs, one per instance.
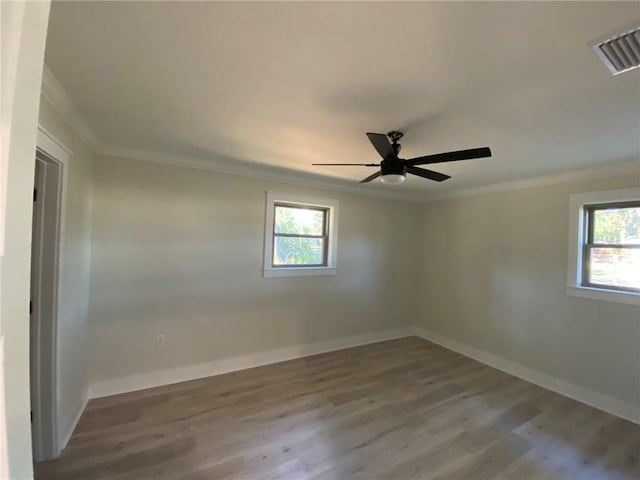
{"points": [[47, 196]]}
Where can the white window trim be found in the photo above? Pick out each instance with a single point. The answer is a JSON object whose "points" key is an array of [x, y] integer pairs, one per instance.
{"points": [[576, 240], [330, 204]]}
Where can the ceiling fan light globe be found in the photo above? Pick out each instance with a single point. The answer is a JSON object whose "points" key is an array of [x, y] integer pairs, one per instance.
{"points": [[392, 178]]}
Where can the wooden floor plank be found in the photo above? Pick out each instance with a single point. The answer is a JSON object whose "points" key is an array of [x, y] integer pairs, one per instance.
{"points": [[402, 409]]}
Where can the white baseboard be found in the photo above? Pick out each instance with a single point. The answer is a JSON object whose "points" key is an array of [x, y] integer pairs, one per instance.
{"points": [[598, 400], [66, 429], [141, 381]]}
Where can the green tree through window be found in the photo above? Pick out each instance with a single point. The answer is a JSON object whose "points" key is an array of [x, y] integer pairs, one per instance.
{"points": [[300, 235], [612, 249]]}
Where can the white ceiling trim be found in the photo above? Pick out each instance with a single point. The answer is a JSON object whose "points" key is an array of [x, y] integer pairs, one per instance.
{"points": [[601, 171], [287, 176], [59, 99], [53, 91], [262, 172]]}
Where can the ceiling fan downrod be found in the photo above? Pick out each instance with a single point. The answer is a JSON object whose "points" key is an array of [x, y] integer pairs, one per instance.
{"points": [[395, 137]]}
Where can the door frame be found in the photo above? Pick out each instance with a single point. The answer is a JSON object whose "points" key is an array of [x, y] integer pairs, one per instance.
{"points": [[44, 396]]}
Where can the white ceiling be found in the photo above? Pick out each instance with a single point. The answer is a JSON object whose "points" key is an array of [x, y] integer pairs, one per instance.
{"points": [[288, 84]]}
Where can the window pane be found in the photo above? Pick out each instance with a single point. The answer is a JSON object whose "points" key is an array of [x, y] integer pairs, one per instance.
{"points": [[298, 251], [299, 221], [618, 225], [615, 266]]}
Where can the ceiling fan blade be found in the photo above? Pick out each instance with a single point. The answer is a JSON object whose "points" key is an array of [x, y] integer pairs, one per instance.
{"points": [[382, 145], [371, 177], [430, 174], [345, 164], [451, 156]]}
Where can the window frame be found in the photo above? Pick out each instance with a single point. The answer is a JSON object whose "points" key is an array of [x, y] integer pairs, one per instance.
{"points": [[579, 234], [589, 244], [325, 234], [330, 209]]}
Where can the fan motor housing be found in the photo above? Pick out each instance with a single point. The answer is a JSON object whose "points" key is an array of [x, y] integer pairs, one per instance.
{"points": [[392, 167]]}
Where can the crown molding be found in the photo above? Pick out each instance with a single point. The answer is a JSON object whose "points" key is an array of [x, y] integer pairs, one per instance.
{"points": [[592, 173], [53, 91], [57, 96], [254, 170], [279, 174], [59, 99]]}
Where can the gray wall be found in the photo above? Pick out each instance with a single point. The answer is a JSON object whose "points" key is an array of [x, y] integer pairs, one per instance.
{"points": [[493, 277], [178, 251], [75, 263]]}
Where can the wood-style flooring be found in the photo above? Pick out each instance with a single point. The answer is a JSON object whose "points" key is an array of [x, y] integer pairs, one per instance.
{"points": [[396, 410]]}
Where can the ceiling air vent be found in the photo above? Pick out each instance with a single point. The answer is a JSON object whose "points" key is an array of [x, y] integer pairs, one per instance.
{"points": [[620, 53]]}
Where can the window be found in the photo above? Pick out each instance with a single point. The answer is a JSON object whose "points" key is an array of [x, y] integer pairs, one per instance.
{"points": [[604, 246], [611, 252], [299, 235]]}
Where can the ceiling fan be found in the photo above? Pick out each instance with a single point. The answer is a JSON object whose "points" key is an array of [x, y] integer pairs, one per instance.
{"points": [[394, 169]]}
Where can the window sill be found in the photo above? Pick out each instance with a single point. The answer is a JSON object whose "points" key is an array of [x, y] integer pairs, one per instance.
{"points": [[629, 298], [298, 271]]}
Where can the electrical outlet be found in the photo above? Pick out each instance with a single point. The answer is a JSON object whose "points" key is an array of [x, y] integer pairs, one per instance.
{"points": [[160, 339]]}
